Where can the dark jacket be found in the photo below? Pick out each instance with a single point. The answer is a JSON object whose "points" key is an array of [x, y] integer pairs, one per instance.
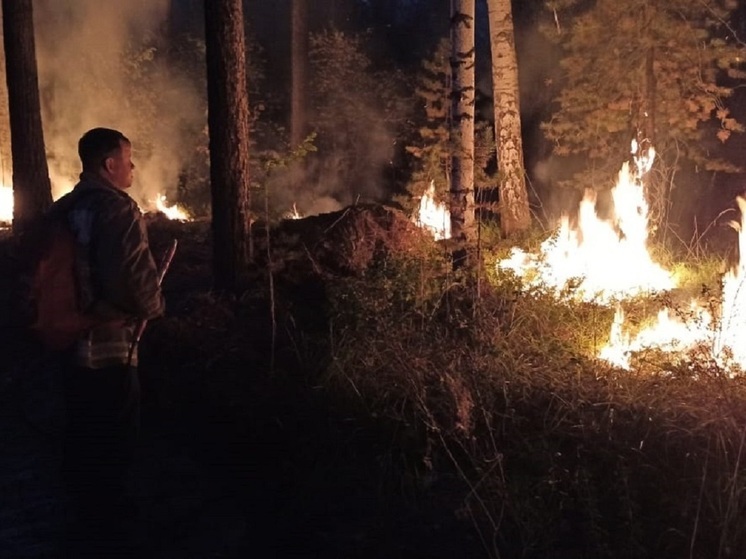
{"points": [[117, 273]]}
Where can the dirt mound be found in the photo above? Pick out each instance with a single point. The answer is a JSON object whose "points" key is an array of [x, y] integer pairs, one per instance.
{"points": [[346, 242]]}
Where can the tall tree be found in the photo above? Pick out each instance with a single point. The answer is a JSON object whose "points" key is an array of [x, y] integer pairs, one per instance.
{"points": [[299, 71], [660, 72], [228, 122], [514, 210], [32, 191], [462, 124]]}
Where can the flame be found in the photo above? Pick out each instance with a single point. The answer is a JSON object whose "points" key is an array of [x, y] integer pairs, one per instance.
{"points": [[171, 212], [294, 213], [733, 308], [668, 333], [6, 204], [608, 261], [608, 258], [433, 215]]}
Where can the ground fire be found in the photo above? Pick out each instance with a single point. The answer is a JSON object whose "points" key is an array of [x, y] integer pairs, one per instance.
{"points": [[606, 261]]}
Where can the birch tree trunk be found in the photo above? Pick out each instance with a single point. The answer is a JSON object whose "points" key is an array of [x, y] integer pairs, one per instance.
{"points": [[228, 121], [514, 210], [32, 191], [462, 126]]}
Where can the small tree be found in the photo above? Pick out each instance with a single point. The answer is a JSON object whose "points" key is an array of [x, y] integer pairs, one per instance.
{"points": [[648, 70]]}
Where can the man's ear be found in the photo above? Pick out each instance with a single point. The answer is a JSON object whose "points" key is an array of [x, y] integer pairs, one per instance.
{"points": [[108, 164]]}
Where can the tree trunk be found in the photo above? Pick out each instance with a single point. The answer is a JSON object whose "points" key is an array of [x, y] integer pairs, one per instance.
{"points": [[299, 63], [32, 191], [514, 210], [228, 121], [462, 126]]}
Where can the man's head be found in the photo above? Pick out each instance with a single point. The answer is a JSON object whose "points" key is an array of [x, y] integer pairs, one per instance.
{"points": [[107, 153]]}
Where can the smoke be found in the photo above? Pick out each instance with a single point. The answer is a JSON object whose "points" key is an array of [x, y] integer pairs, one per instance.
{"points": [[100, 64]]}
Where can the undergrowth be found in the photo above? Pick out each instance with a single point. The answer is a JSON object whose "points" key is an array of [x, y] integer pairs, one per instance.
{"points": [[494, 393]]}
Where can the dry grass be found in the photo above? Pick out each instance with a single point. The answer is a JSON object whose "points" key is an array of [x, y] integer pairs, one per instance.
{"points": [[555, 453], [488, 397]]}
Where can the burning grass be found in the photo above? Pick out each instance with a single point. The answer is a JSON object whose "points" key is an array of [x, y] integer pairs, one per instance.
{"points": [[495, 392], [491, 400], [478, 400]]}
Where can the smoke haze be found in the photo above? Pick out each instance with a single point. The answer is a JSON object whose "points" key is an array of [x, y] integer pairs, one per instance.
{"points": [[99, 65]]}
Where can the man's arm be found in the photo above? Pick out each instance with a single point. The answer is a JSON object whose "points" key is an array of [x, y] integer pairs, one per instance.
{"points": [[126, 271]]}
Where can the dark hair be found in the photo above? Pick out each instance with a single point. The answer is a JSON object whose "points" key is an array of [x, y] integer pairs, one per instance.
{"points": [[97, 144]]}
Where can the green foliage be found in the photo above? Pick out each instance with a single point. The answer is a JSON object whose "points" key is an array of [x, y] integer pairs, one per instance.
{"points": [[359, 110], [606, 90], [187, 58]]}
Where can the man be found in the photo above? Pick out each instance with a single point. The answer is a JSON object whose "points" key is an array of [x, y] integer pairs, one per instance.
{"points": [[119, 286]]}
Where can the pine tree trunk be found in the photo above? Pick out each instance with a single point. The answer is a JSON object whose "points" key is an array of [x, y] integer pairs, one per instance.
{"points": [[299, 63], [32, 191], [228, 121], [514, 210], [462, 125], [6, 178]]}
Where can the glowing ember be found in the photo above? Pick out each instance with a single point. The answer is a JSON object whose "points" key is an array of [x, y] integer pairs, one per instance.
{"points": [[433, 215], [6, 204], [171, 212], [608, 258]]}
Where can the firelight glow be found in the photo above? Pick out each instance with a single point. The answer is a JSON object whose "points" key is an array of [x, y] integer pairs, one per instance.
{"points": [[174, 211], [609, 258], [6, 204], [171, 212], [733, 311], [608, 262], [294, 213]]}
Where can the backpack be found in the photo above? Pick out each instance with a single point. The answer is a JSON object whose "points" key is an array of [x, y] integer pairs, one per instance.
{"points": [[50, 300]]}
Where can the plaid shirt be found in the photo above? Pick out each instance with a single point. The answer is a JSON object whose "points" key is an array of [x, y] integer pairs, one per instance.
{"points": [[115, 268], [106, 346]]}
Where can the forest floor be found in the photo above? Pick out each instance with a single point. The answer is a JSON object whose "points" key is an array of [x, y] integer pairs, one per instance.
{"points": [[242, 453]]}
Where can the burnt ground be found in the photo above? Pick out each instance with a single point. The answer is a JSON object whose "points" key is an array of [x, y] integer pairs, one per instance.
{"points": [[243, 452]]}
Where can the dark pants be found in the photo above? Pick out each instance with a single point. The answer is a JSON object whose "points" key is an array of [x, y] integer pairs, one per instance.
{"points": [[103, 420]]}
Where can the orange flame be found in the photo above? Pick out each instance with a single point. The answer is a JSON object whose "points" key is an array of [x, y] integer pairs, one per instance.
{"points": [[175, 211]]}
